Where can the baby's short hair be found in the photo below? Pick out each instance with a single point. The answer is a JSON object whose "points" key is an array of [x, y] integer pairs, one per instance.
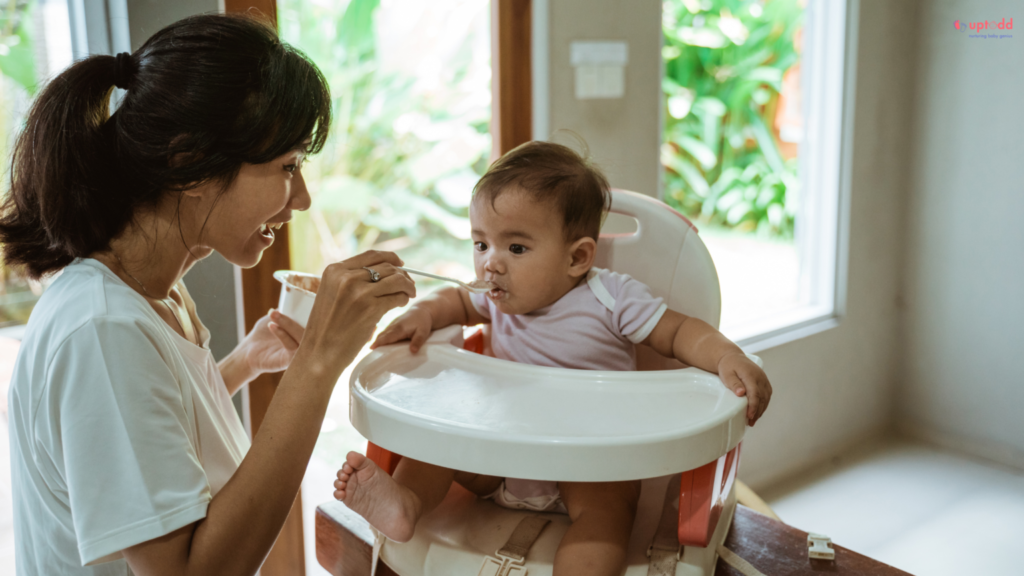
{"points": [[549, 171]]}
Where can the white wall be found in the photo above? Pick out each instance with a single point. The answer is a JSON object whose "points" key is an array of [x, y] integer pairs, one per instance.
{"points": [[145, 17], [964, 330], [835, 388], [623, 134]]}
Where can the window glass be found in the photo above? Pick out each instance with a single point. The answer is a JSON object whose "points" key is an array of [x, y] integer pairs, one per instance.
{"points": [[34, 46], [411, 88], [733, 124]]}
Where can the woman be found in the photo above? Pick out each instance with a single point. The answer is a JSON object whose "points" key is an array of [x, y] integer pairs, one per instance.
{"points": [[125, 448]]}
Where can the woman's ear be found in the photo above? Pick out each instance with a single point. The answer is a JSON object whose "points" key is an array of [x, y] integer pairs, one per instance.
{"points": [[204, 189], [581, 256]]}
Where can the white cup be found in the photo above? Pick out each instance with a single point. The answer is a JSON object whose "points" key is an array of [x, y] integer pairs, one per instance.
{"points": [[298, 291]]}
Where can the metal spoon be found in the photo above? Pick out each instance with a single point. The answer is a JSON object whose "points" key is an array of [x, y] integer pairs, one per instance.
{"points": [[476, 286]]}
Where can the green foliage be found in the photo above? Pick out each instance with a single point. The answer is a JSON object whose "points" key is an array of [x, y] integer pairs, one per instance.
{"points": [[17, 60], [724, 64], [17, 79], [400, 162]]}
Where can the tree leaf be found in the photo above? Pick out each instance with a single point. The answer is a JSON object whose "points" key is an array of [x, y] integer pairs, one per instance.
{"points": [[19, 63], [356, 28], [699, 150], [738, 212], [705, 37]]}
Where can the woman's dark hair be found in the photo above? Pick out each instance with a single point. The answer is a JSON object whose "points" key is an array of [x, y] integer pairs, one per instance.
{"points": [[204, 95], [553, 173]]}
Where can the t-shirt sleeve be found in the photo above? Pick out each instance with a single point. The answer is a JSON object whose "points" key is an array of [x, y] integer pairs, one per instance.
{"points": [[637, 311], [481, 303], [128, 443]]}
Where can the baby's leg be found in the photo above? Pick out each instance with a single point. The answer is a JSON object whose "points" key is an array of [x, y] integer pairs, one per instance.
{"points": [[392, 505], [479, 484], [602, 515]]}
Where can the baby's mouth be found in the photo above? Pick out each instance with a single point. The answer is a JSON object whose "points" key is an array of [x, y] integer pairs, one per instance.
{"points": [[497, 292]]}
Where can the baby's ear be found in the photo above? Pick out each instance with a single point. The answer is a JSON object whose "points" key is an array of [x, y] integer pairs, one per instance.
{"points": [[581, 256]]}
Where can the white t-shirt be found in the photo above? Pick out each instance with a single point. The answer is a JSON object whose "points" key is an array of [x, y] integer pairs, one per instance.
{"points": [[121, 430]]}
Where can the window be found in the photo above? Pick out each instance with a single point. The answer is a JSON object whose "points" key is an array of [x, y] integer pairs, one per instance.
{"points": [[34, 46], [752, 146], [410, 137]]}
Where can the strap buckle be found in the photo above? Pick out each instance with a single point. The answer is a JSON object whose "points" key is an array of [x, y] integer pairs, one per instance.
{"points": [[659, 551], [819, 547], [502, 565]]}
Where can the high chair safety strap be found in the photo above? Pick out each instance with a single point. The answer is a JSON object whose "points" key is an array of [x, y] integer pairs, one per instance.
{"points": [[744, 567], [665, 549], [378, 543], [510, 560]]}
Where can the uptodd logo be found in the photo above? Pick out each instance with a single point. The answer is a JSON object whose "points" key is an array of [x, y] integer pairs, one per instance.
{"points": [[986, 28]]}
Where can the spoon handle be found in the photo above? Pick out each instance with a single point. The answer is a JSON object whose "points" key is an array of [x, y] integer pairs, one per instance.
{"points": [[474, 289], [428, 274]]}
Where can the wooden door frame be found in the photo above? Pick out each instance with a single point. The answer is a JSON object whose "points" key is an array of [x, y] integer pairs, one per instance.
{"points": [[512, 76], [511, 125]]}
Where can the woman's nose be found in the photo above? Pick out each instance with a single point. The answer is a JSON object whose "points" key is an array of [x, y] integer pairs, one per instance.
{"points": [[300, 194]]}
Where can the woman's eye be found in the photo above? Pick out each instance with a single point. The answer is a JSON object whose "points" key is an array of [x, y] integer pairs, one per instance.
{"points": [[517, 249], [291, 167], [480, 247]]}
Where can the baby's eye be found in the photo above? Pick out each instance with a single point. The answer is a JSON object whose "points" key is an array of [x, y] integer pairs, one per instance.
{"points": [[517, 249], [480, 247]]}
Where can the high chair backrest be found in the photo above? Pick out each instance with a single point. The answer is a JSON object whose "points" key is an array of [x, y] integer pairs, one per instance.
{"points": [[667, 254]]}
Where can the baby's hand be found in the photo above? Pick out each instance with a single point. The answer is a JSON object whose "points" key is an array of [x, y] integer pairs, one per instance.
{"points": [[745, 378], [414, 325]]}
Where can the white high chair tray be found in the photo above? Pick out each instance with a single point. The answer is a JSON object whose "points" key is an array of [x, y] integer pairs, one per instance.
{"points": [[471, 412]]}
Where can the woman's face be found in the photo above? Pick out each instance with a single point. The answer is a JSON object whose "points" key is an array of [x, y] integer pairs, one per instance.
{"points": [[242, 220]]}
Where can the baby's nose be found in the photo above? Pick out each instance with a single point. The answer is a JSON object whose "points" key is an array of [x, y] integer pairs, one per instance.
{"points": [[494, 265]]}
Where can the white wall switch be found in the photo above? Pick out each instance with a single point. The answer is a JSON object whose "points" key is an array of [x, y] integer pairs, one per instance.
{"points": [[600, 68], [594, 81]]}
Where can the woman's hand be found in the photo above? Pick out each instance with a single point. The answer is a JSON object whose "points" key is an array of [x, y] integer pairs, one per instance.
{"points": [[272, 343], [269, 347], [415, 325], [349, 306], [745, 378]]}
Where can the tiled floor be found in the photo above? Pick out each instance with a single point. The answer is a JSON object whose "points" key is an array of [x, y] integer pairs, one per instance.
{"points": [[918, 508]]}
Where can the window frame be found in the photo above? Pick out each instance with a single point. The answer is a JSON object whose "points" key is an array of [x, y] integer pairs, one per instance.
{"points": [[510, 126], [828, 80]]}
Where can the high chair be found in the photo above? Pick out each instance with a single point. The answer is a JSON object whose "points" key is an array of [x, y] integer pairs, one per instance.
{"points": [[678, 428]]}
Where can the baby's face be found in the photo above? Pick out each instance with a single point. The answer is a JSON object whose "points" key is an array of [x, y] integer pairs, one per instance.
{"points": [[518, 244]]}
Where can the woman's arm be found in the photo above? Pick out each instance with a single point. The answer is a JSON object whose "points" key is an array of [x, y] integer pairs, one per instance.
{"points": [[245, 517], [695, 342]]}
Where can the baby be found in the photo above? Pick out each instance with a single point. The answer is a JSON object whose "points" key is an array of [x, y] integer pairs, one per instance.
{"points": [[535, 217]]}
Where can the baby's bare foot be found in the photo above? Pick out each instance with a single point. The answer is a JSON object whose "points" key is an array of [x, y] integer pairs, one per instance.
{"points": [[371, 493]]}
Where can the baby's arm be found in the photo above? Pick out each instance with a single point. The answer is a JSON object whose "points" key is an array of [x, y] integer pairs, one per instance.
{"points": [[443, 308], [695, 342]]}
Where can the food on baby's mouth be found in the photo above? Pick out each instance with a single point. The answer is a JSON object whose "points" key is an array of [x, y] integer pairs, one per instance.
{"points": [[483, 284]]}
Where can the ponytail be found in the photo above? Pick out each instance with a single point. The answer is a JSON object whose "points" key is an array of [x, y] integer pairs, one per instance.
{"points": [[59, 207], [205, 95]]}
